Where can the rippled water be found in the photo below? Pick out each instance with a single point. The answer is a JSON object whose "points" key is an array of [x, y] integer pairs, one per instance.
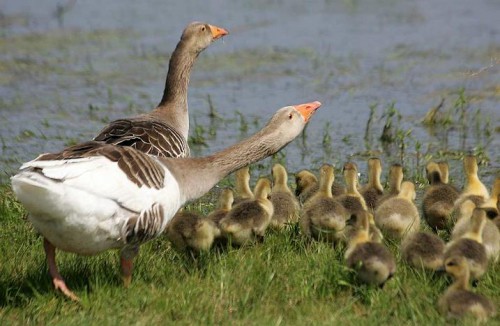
{"points": [[67, 67]]}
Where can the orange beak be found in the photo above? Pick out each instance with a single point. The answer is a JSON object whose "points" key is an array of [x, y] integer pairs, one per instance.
{"points": [[217, 32], [307, 109]]}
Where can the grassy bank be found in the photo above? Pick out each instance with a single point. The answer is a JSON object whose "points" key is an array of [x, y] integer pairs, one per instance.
{"points": [[284, 280]]}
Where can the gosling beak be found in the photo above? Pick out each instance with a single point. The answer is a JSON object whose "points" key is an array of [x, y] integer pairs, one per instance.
{"points": [[217, 32], [307, 109]]}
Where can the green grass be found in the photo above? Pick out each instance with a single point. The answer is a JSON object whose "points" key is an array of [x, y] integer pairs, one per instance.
{"points": [[284, 280]]}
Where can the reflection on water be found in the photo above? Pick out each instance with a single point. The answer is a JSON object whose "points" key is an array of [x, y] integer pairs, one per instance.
{"points": [[67, 67]]}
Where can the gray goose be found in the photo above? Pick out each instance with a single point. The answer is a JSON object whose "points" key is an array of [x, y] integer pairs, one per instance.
{"points": [[93, 197], [164, 131]]}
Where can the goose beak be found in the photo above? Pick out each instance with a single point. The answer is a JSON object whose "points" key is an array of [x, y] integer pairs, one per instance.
{"points": [[307, 109], [217, 32]]}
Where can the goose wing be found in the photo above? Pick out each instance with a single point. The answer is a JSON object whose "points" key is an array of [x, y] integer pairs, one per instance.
{"points": [[148, 136]]}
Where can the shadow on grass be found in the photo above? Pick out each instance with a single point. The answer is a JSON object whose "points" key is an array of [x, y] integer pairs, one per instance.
{"points": [[80, 276]]}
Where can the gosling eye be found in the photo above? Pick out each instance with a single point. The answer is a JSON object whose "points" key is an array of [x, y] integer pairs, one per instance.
{"points": [[203, 28], [290, 116]]}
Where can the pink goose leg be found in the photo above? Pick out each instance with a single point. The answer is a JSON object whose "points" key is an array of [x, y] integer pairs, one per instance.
{"points": [[50, 252]]}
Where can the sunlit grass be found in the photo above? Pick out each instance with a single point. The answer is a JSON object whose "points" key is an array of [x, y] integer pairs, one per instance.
{"points": [[285, 280]]}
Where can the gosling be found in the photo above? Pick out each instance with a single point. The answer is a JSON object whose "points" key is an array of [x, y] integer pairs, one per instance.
{"points": [[423, 250], [306, 185], [474, 189], [224, 205], [286, 206], [439, 197], [470, 245], [490, 234], [352, 199], [458, 301], [248, 220], [323, 217], [399, 216], [491, 204], [373, 191], [188, 231], [395, 180], [242, 185], [373, 262]]}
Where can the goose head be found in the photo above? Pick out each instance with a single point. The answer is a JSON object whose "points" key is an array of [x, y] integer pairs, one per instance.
{"points": [[198, 36]]}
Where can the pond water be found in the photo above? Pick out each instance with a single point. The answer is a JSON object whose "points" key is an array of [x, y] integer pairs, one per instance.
{"points": [[67, 67]]}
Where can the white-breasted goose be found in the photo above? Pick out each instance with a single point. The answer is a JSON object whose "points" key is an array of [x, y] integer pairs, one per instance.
{"points": [[93, 196]]}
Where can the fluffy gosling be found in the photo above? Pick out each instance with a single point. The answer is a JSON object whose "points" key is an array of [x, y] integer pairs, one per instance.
{"points": [[373, 191], [372, 261], [189, 231], [470, 245], [399, 216], [248, 220], [439, 197], [286, 206], [323, 217], [458, 301]]}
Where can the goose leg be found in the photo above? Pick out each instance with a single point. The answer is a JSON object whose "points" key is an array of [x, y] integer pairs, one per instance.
{"points": [[127, 256], [57, 280]]}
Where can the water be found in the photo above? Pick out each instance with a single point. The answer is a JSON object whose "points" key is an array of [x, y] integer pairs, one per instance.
{"points": [[62, 77]]}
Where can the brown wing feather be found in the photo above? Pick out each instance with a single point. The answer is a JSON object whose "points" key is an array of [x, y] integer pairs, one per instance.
{"points": [[140, 168], [145, 226], [148, 136]]}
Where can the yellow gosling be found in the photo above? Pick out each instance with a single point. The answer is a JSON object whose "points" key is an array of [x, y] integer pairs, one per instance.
{"points": [[323, 217], [398, 216], [373, 191], [439, 198], [372, 261], [286, 206], [458, 301], [248, 220]]}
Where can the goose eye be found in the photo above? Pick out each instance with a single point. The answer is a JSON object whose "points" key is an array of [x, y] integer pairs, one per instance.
{"points": [[203, 28], [290, 116]]}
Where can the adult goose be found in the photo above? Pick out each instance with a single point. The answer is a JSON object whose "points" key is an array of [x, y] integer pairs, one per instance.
{"points": [[164, 131], [93, 196]]}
